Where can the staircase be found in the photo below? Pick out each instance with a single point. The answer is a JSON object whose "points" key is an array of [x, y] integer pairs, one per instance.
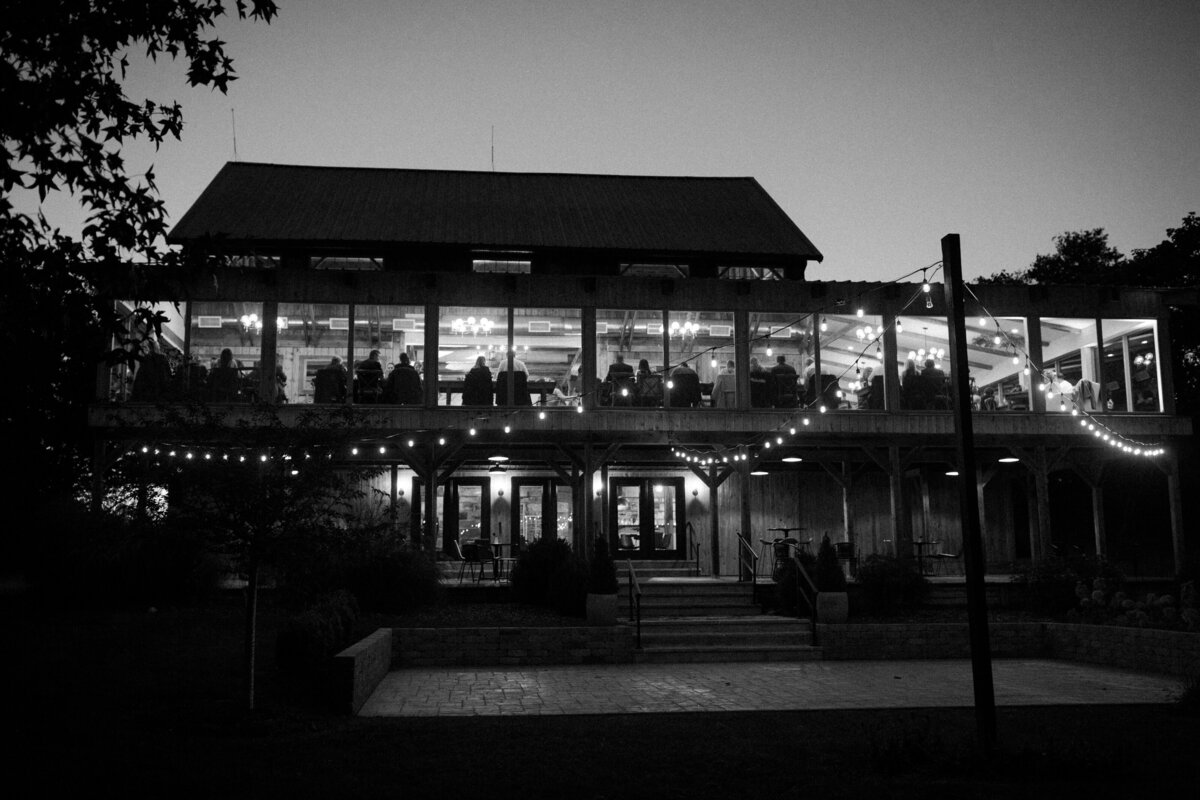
{"points": [[687, 618]]}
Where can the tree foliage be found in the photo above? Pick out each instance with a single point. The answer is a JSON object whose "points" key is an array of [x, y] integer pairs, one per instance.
{"points": [[66, 119]]}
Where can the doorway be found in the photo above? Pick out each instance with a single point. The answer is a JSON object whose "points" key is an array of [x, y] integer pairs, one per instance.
{"points": [[542, 509], [646, 517], [463, 512]]}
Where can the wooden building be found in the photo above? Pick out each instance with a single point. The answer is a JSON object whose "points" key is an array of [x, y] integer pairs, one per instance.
{"points": [[568, 283]]}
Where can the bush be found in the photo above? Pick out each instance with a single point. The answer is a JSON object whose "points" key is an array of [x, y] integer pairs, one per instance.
{"points": [[602, 572], [307, 640], [104, 561], [890, 584], [1050, 583], [568, 589], [828, 572], [532, 573], [787, 584], [385, 575]]}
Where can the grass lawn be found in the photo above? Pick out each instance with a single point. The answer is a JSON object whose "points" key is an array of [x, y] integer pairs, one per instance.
{"points": [[148, 704]]}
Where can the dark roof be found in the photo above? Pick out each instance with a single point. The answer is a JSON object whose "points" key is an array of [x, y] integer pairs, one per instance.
{"points": [[323, 206]]}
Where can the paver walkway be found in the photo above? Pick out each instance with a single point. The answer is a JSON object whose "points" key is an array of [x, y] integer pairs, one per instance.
{"points": [[808, 685]]}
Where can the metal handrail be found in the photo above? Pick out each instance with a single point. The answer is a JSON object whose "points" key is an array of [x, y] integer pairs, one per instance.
{"points": [[693, 546], [635, 600], [801, 572], [744, 548]]}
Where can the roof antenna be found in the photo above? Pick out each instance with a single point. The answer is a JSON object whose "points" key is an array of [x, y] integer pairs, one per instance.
{"points": [[233, 121], [493, 148]]}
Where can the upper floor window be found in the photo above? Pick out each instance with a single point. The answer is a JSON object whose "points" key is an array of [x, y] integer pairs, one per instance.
{"points": [[514, 263], [750, 273], [655, 270], [349, 263]]}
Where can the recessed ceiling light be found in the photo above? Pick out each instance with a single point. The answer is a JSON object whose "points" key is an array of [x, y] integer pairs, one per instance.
{"points": [[793, 459], [759, 472], [1008, 460], [497, 458], [953, 473]]}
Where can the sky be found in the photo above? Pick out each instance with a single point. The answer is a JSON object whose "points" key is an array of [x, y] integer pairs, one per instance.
{"points": [[878, 127]]}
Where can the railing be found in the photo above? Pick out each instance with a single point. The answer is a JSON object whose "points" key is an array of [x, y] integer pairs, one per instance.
{"points": [[803, 581], [693, 546], [748, 562], [635, 601]]}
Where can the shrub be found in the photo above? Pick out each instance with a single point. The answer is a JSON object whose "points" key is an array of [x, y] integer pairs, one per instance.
{"points": [[307, 640], [788, 584], [890, 584], [602, 572], [828, 572], [1103, 604], [534, 568], [568, 588], [1050, 583]]}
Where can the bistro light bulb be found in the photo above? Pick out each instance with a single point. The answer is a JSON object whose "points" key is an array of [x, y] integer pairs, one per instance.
{"points": [[928, 299], [806, 420], [508, 428], [713, 363], [767, 444], [793, 431], [670, 384], [824, 325], [899, 326], [353, 451], [822, 408], [925, 287], [996, 340], [859, 333], [410, 442], [442, 439], [1041, 387], [982, 322], [578, 409], [778, 440], [1026, 370], [1016, 360], [382, 450], [541, 415], [241, 459], [624, 392], [860, 313], [912, 355], [768, 352], [470, 432], [262, 458]]}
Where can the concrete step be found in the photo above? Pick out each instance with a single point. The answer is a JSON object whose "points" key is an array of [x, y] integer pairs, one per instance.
{"points": [[741, 631], [679, 655], [672, 607]]}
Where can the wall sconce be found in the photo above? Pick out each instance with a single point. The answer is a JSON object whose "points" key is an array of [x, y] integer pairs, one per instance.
{"points": [[400, 493], [500, 493], [695, 492]]}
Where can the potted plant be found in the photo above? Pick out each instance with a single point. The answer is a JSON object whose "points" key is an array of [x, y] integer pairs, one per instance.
{"points": [[602, 585], [833, 602]]}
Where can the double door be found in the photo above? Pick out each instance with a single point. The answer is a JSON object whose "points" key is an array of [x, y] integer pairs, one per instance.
{"points": [[646, 517], [543, 508]]}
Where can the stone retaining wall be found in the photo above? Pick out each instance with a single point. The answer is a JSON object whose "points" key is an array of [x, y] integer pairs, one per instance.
{"points": [[359, 668], [457, 647], [1143, 649], [1171, 652], [926, 640]]}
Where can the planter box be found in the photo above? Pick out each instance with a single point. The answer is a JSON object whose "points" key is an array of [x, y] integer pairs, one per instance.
{"points": [[602, 609]]}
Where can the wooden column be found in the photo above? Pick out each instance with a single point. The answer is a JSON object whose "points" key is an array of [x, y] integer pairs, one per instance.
{"points": [[1033, 342], [587, 369], [901, 521], [268, 389], [743, 470], [430, 370], [429, 519], [1041, 477], [891, 376], [713, 514], [741, 352], [394, 506], [1166, 388], [844, 480], [1169, 464], [1092, 473], [350, 358]]}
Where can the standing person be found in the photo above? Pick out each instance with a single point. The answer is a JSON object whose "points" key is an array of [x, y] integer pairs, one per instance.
{"points": [[649, 385], [369, 379], [518, 364], [782, 367], [153, 374], [911, 390], [225, 378], [725, 387]]}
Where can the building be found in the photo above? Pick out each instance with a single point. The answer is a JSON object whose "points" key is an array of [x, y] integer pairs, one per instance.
{"points": [[553, 279]]}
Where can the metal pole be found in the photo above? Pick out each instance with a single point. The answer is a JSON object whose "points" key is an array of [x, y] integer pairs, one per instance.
{"points": [[981, 657]]}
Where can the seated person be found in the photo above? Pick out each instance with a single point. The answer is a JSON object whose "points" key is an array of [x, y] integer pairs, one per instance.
{"points": [[153, 374], [649, 385], [329, 384], [225, 377], [686, 390], [759, 392], [404, 384], [477, 387]]}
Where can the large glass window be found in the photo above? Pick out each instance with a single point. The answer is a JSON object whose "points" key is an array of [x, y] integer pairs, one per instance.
{"points": [[1069, 364], [158, 373], [996, 356], [624, 340], [549, 342], [922, 343], [384, 336], [225, 348], [1129, 367], [852, 356], [701, 350], [310, 351], [466, 335], [772, 337], [648, 517]]}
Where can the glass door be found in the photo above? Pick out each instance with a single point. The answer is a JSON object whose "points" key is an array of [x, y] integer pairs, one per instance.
{"points": [[543, 509], [647, 517], [463, 512]]}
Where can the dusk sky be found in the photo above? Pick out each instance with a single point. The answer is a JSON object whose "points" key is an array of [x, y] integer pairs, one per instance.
{"points": [[878, 127]]}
